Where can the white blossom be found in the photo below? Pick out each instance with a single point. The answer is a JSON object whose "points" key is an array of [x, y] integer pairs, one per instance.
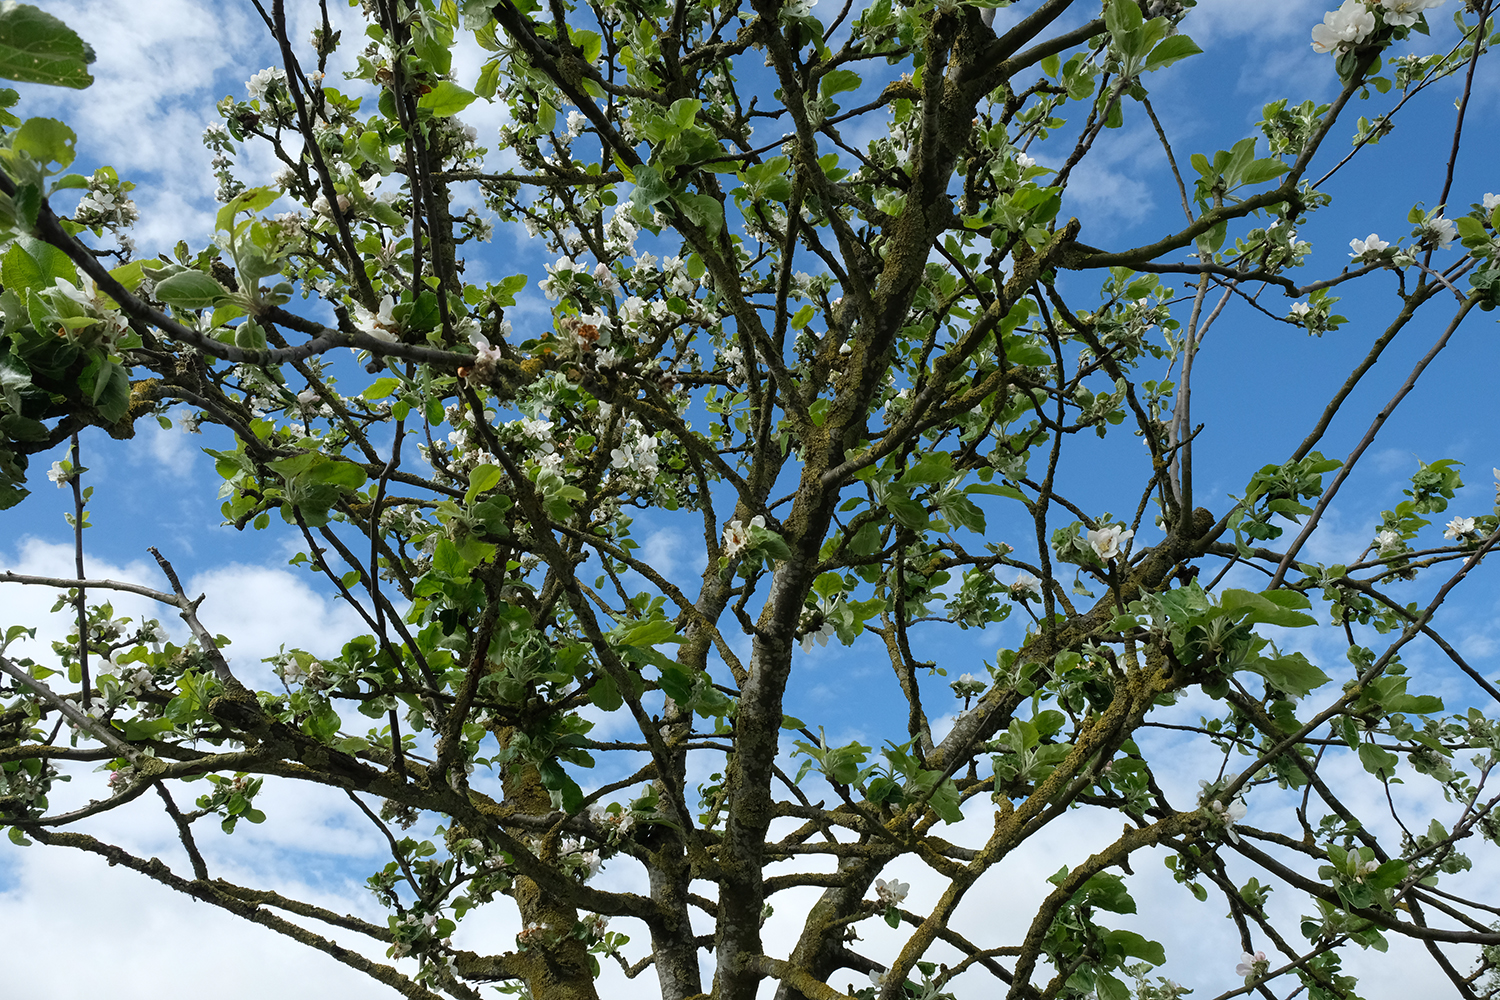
{"points": [[60, 475], [636, 453], [551, 285], [382, 324], [1459, 527], [1441, 231], [892, 892], [1023, 161], [1227, 814], [1106, 541], [1405, 13], [1301, 310], [1026, 586], [1344, 28], [1491, 202], [820, 635], [605, 278], [1369, 246], [737, 535], [1387, 541], [261, 83], [1251, 965]]}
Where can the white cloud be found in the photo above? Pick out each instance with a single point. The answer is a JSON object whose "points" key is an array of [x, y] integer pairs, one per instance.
{"points": [[262, 608], [1105, 189], [145, 941], [1264, 21], [32, 606], [171, 449]]}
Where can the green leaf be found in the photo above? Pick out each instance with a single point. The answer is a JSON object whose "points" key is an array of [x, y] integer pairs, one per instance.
{"points": [[253, 200], [128, 275], [1293, 674], [703, 210], [1263, 170], [447, 560], [1169, 51], [1122, 16], [190, 290], [1106, 891], [489, 80], [646, 632], [837, 81], [682, 112], [1376, 760], [934, 467], [1110, 988], [605, 694], [945, 802], [591, 42], [36, 47], [1258, 609], [484, 477], [909, 512], [1135, 946], [31, 264], [336, 473], [45, 140], [567, 794], [447, 98]]}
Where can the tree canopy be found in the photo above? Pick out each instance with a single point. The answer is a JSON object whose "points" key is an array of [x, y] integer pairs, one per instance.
{"points": [[814, 295]]}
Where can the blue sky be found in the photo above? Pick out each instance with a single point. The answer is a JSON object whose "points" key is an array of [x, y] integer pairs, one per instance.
{"points": [[1259, 387]]}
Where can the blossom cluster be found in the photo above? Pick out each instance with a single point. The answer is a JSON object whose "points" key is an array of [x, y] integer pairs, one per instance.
{"points": [[1345, 29], [737, 535], [1216, 809], [637, 451]]}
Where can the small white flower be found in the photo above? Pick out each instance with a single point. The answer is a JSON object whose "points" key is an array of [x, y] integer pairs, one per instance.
{"points": [[1251, 965], [821, 636], [1106, 541], [381, 325], [1370, 246], [1026, 586], [605, 278], [1023, 161], [737, 535], [1301, 310], [1387, 541], [1227, 814], [576, 124], [1404, 13], [892, 892], [1491, 202], [1344, 28], [261, 83], [1459, 527], [59, 475], [1365, 868], [1441, 231]]}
